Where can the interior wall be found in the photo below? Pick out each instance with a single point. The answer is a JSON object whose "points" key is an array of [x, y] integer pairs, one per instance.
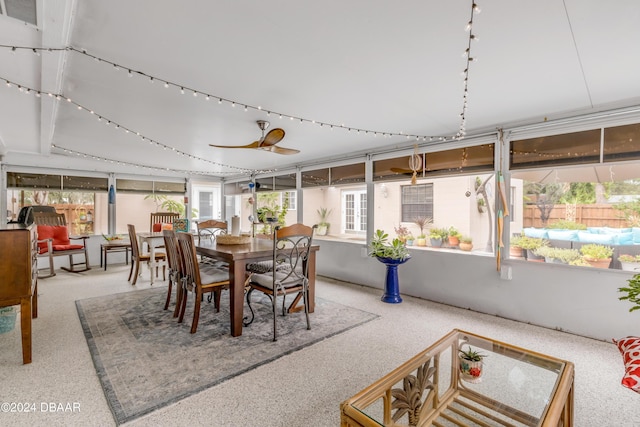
{"points": [[581, 301]]}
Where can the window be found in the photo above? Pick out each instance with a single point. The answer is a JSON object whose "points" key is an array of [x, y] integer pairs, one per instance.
{"points": [[417, 201], [578, 190], [82, 199], [290, 197]]}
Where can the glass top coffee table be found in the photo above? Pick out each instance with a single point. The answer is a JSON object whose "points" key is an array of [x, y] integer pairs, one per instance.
{"points": [[517, 387]]}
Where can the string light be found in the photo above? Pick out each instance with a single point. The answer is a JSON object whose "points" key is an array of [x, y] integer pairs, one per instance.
{"points": [[467, 53], [127, 130], [125, 163], [166, 83]]}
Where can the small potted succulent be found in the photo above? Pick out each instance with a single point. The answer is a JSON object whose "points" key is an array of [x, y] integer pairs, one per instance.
{"points": [[466, 243], [471, 364], [437, 236], [453, 236]]}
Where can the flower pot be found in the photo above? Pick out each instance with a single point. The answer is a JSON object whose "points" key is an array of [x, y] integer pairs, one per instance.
{"points": [[321, 230], [454, 241], [466, 246], [470, 371], [630, 266], [515, 252], [531, 256], [436, 243], [599, 263], [421, 242], [409, 242], [392, 287]]}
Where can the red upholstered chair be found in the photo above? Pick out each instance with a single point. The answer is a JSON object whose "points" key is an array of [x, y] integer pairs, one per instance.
{"points": [[54, 240]]}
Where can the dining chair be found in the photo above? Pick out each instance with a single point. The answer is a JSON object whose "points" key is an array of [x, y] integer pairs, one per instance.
{"points": [[176, 270], [209, 230], [137, 256], [198, 279], [161, 220], [291, 246]]}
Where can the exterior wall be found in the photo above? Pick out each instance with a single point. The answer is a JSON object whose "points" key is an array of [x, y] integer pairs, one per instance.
{"points": [[581, 301]]}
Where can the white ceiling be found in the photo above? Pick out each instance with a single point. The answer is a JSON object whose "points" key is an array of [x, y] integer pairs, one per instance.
{"points": [[375, 65]]}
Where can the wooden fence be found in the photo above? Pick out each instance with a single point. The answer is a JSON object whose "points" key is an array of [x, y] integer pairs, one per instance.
{"points": [[596, 215]]}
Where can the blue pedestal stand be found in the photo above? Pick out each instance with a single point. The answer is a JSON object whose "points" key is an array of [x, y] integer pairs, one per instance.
{"points": [[392, 287]]}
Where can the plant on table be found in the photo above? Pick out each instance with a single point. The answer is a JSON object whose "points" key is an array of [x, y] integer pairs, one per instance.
{"points": [[471, 362]]}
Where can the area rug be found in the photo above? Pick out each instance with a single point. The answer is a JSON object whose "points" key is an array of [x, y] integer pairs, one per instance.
{"points": [[146, 360]]}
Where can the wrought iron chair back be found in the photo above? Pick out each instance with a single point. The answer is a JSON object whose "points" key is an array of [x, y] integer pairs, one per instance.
{"points": [[290, 276]]}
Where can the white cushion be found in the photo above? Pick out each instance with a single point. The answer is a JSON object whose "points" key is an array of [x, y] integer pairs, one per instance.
{"points": [[213, 275], [266, 279]]}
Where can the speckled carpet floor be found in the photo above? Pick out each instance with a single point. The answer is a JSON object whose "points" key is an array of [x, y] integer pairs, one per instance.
{"points": [[146, 360]]}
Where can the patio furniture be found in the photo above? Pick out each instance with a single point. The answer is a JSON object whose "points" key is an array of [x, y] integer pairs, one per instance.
{"points": [[54, 240], [137, 256], [517, 387], [291, 246], [198, 280]]}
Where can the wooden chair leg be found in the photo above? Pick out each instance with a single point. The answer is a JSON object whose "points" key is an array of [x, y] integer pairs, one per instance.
{"points": [[170, 286], [196, 314], [131, 269], [183, 305], [179, 297], [216, 298], [135, 273]]}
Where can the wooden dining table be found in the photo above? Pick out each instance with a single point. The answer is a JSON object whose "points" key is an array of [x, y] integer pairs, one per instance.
{"points": [[238, 256]]}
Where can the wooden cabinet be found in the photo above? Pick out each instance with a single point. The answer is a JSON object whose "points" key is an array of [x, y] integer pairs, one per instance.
{"points": [[19, 273]]}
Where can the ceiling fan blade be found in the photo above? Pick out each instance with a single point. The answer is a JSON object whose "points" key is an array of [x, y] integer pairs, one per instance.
{"points": [[400, 170], [279, 150], [254, 144], [273, 137]]}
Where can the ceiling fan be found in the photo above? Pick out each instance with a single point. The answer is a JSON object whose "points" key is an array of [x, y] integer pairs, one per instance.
{"points": [[267, 142]]}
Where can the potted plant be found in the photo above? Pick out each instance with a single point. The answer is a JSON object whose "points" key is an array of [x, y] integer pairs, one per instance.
{"points": [[629, 262], [454, 236], [410, 239], [466, 243], [598, 256], [422, 222], [471, 364], [557, 255], [632, 291], [529, 244], [515, 250], [391, 255], [402, 232], [437, 236], [323, 225]]}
